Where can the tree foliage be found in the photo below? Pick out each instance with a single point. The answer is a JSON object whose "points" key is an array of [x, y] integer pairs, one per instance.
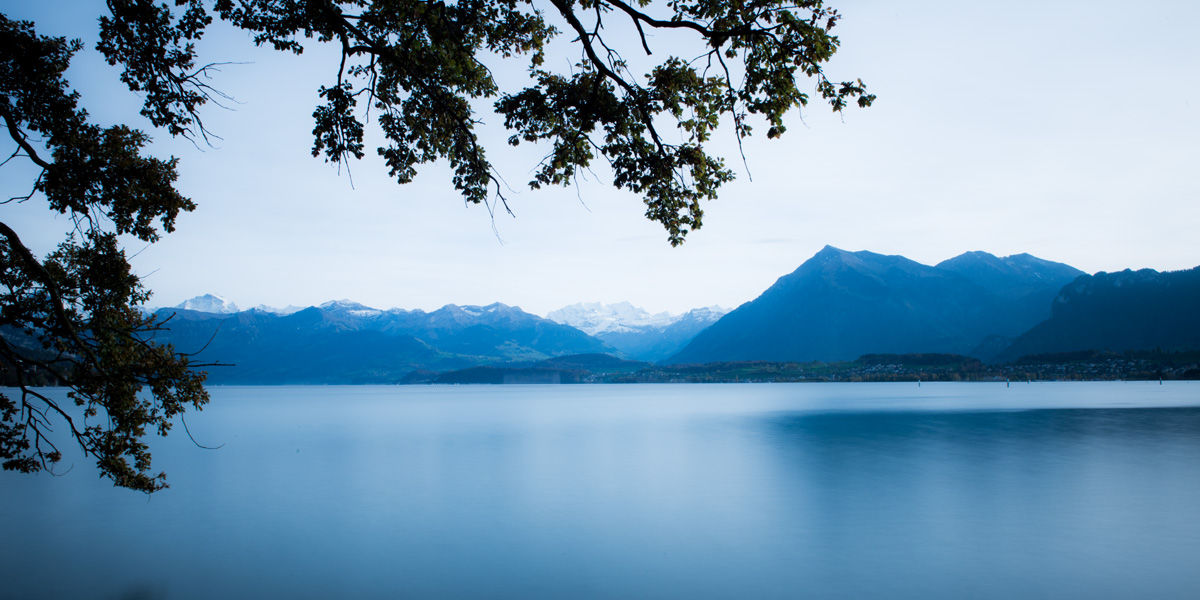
{"points": [[421, 69], [71, 318]]}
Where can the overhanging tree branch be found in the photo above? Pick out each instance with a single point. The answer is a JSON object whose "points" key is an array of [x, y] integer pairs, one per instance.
{"points": [[74, 315]]}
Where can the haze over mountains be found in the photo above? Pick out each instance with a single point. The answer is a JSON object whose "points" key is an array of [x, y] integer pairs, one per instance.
{"points": [[836, 306]]}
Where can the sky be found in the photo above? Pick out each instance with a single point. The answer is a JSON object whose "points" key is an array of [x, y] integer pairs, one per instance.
{"points": [[1069, 130]]}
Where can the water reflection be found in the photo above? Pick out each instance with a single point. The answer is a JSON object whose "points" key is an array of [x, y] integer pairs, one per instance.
{"points": [[1051, 503]]}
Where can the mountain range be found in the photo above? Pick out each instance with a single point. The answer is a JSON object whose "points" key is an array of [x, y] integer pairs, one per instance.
{"points": [[836, 306], [839, 305], [347, 342]]}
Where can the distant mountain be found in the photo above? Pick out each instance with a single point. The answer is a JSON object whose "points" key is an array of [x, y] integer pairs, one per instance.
{"points": [[594, 318], [346, 342], [634, 331], [839, 305], [658, 343], [289, 309], [209, 303], [1129, 310]]}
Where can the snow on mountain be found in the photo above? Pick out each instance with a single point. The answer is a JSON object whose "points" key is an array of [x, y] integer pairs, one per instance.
{"points": [[704, 314], [283, 312], [595, 318], [634, 331], [350, 307], [209, 303]]}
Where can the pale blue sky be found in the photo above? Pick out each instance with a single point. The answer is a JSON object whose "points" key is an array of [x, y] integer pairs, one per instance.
{"points": [[1069, 130]]}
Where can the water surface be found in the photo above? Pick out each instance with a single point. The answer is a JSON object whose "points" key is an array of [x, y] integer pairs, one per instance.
{"points": [[649, 491]]}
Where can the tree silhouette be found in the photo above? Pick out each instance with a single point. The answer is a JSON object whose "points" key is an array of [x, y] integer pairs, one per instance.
{"points": [[419, 67], [72, 317]]}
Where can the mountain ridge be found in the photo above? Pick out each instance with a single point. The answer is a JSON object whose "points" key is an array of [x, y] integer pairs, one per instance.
{"points": [[1119, 311], [346, 341], [839, 305]]}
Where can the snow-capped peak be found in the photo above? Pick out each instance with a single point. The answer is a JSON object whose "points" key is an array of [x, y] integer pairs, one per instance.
{"points": [[706, 313], [351, 307], [209, 303], [594, 318], [283, 312]]}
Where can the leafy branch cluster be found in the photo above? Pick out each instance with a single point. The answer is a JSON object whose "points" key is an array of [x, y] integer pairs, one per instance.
{"points": [[419, 64], [73, 315]]}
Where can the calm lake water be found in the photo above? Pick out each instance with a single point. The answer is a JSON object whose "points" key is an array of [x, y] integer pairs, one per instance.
{"points": [[1042, 490]]}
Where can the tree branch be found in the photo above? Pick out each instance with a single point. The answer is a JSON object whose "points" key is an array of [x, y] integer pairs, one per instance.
{"points": [[584, 38], [18, 136], [56, 304]]}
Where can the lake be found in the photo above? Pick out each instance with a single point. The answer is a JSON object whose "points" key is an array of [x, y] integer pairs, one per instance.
{"points": [[877, 490]]}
